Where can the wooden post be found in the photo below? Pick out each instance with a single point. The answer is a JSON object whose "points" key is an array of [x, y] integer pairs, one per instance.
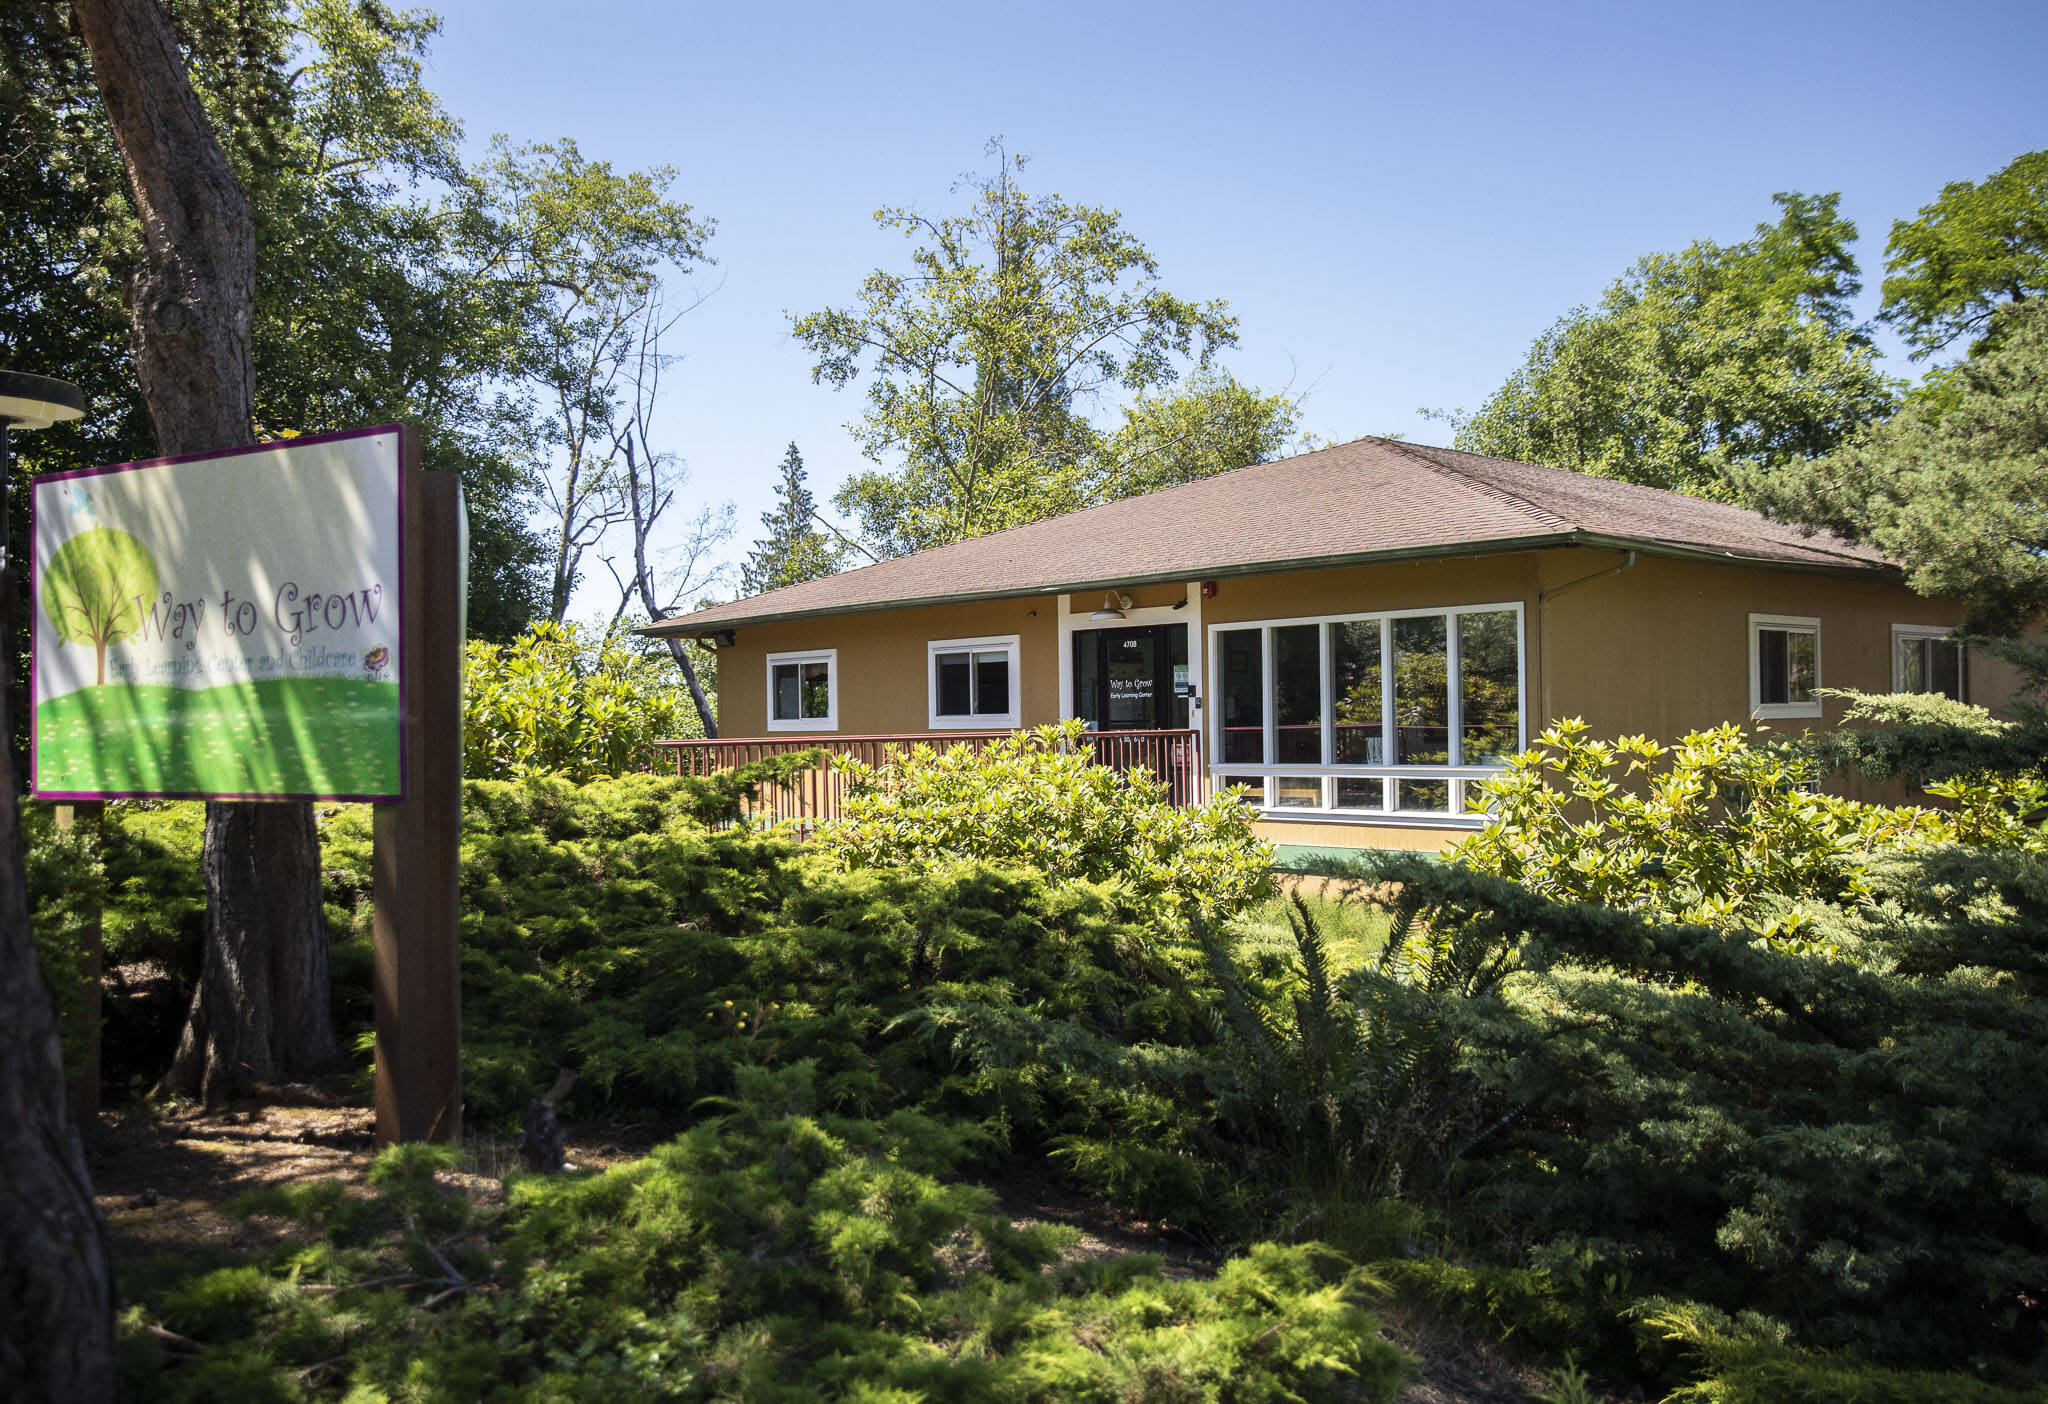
{"points": [[416, 992], [84, 1086]]}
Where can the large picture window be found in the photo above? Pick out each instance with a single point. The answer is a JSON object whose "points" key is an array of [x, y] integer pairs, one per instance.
{"points": [[803, 691], [1784, 666], [1926, 659], [973, 683], [1364, 715]]}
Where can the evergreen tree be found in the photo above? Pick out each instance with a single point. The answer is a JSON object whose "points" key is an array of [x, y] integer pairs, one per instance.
{"points": [[794, 550]]}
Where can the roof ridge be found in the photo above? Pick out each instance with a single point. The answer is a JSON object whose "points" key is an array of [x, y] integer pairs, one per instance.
{"points": [[1494, 490]]}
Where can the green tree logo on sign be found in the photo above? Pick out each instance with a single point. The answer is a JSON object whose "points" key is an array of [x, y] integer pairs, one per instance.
{"points": [[94, 588]]}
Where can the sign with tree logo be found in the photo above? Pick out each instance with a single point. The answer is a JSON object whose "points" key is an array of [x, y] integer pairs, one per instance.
{"points": [[221, 626]]}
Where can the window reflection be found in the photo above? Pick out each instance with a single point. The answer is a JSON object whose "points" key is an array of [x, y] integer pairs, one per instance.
{"points": [[1422, 692], [1489, 688], [1355, 691]]}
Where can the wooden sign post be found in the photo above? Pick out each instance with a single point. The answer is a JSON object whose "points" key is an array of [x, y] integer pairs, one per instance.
{"points": [[417, 984]]}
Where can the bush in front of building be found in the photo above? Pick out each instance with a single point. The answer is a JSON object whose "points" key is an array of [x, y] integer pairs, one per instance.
{"points": [[563, 700], [1037, 799]]}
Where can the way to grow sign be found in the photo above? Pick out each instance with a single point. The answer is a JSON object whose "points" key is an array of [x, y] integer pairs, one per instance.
{"points": [[222, 625]]}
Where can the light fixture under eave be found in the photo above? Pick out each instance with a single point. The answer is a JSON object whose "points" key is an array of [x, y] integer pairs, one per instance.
{"points": [[1113, 607]]}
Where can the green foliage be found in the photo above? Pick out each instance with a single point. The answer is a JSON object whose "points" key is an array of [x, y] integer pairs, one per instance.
{"points": [[1209, 426], [1976, 250], [1714, 830], [65, 881], [1747, 1361], [1037, 799], [1696, 363], [1949, 487], [776, 1251], [1349, 1084], [794, 550], [1018, 315], [563, 700], [1843, 1132]]}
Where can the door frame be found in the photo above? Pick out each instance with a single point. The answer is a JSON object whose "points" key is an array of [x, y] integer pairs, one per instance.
{"points": [[1073, 620]]}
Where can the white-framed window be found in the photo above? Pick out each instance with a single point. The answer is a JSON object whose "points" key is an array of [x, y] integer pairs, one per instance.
{"points": [[972, 684], [1367, 716], [803, 690], [1784, 666], [1926, 658]]}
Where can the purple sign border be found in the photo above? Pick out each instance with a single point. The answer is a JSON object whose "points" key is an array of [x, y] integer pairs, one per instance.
{"points": [[404, 433]]}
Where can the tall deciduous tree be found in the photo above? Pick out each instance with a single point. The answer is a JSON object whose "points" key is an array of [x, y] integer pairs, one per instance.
{"points": [[794, 550], [261, 1012], [1697, 362], [585, 248], [1016, 319], [1973, 251]]}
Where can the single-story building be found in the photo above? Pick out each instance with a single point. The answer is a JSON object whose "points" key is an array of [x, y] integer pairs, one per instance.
{"points": [[1354, 634]]}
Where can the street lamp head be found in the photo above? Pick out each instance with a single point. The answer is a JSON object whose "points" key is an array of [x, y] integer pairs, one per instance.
{"points": [[37, 401]]}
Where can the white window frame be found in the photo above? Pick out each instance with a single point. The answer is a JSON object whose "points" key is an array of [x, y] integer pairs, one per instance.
{"points": [[1789, 623], [980, 721], [1329, 772], [1931, 631], [830, 721]]}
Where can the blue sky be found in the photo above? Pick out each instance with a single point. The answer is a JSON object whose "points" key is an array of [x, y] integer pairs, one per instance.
{"points": [[1394, 198]]}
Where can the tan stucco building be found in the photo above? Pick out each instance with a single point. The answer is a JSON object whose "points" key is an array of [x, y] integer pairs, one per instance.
{"points": [[1261, 612]]}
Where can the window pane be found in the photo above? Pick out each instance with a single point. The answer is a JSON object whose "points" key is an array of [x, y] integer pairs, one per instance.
{"points": [[1256, 783], [817, 684], [1771, 667], [1355, 663], [1422, 693], [786, 706], [1489, 687], [992, 683], [956, 685], [1298, 695], [1799, 673], [1244, 697], [1912, 663], [1297, 792], [1354, 792], [1087, 676], [1423, 796], [1945, 668]]}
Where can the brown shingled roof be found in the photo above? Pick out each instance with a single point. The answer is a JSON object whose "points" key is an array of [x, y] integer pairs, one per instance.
{"points": [[1368, 500]]}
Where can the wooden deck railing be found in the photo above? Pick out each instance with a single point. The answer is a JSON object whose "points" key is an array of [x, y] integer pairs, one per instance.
{"points": [[1173, 756]]}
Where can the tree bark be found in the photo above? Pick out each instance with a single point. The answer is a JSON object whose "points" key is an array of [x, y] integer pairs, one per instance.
{"points": [[261, 1010]]}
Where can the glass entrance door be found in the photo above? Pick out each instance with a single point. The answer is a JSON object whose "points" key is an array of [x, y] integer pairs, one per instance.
{"points": [[1133, 679]]}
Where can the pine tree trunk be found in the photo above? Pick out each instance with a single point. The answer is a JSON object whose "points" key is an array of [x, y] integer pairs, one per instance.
{"points": [[192, 300]]}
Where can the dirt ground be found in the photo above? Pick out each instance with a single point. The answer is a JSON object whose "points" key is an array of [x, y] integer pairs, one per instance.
{"points": [[164, 1177]]}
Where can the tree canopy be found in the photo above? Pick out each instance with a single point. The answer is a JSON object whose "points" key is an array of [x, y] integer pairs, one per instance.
{"points": [[1017, 318], [1953, 485], [1976, 249], [1698, 362]]}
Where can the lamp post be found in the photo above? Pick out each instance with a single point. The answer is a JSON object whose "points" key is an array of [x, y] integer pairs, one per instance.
{"points": [[36, 402]]}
